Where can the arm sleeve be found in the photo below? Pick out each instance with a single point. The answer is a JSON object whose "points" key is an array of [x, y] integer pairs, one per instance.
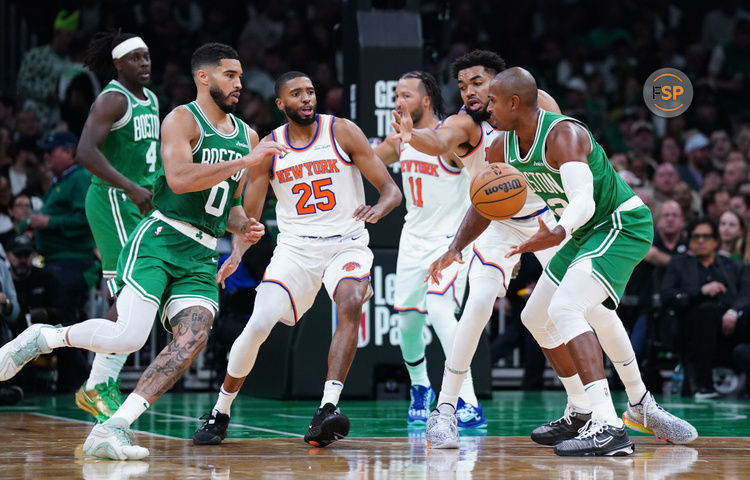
{"points": [[578, 183]]}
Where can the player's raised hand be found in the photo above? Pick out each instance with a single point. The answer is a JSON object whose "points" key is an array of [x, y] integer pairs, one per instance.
{"points": [[402, 122], [252, 231], [543, 238], [264, 150], [445, 260], [369, 214]]}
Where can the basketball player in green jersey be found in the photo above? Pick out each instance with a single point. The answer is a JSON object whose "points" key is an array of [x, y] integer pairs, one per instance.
{"points": [[120, 146], [169, 261], [608, 231]]}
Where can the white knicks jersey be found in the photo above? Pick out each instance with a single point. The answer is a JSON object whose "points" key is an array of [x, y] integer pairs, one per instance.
{"points": [[318, 187], [436, 193], [476, 159]]}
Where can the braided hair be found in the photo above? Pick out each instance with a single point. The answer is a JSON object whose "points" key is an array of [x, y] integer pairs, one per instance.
{"points": [[99, 52], [431, 88]]}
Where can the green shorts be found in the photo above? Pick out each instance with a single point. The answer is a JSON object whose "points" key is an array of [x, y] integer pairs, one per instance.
{"points": [[615, 246], [112, 218], [164, 265]]}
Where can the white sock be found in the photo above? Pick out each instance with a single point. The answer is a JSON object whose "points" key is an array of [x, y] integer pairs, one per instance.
{"points": [[331, 392], [446, 409], [55, 337], [224, 402], [601, 402], [132, 408], [577, 397], [452, 380], [104, 367], [418, 372]]}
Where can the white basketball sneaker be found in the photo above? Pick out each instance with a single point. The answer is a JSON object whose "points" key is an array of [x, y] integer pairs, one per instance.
{"points": [[113, 439]]}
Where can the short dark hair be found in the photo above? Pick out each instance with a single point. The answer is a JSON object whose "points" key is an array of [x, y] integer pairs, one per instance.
{"points": [[491, 61], [695, 223], [284, 78], [431, 88], [211, 54]]}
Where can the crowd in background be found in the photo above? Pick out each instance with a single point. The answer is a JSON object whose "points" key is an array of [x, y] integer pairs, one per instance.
{"points": [[692, 170]]}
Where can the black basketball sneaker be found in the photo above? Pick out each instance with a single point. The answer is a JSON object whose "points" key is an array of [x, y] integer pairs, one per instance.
{"points": [[327, 426], [213, 430]]}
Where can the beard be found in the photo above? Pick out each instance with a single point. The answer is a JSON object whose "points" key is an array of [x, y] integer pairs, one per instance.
{"points": [[479, 116], [299, 119], [221, 100]]}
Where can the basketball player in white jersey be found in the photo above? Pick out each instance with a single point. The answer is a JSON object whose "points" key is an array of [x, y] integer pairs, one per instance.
{"points": [[436, 191], [468, 135], [321, 213]]}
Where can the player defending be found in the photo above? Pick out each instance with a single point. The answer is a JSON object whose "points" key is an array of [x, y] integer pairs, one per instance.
{"points": [[474, 85], [170, 260], [436, 203], [120, 146], [321, 213], [609, 230]]}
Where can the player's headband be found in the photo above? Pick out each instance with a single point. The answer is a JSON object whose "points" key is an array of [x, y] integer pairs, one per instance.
{"points": [[128, 46]]}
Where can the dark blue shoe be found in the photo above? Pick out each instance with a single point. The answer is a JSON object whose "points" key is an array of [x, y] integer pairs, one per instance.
{"points": [[470, 416], [421, 400]]}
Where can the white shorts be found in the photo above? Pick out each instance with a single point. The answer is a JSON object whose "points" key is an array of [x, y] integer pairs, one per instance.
{"points": [[415, 254], [489, 250], [300, 264]]}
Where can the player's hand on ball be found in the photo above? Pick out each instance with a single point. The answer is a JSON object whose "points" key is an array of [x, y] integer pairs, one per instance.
{"points": [[253, 230], [543, 238], [368, 214], [442, 263]]}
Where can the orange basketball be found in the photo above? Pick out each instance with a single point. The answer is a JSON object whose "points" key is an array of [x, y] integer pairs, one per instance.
{"points": [[498, 191]]}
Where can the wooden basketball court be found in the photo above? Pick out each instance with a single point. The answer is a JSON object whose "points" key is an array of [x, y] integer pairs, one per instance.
{"points": [[42, 438]]}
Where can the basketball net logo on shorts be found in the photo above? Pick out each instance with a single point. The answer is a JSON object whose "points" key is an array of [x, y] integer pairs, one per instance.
{"points": [[668, 92], [351, 266]]}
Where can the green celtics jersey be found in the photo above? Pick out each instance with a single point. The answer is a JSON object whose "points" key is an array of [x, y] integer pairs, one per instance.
{"points": [[207, 209], [132, 146], [609, 189]]}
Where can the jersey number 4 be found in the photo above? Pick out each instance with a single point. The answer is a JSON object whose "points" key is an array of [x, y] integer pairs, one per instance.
{"points": [[315, 189]]}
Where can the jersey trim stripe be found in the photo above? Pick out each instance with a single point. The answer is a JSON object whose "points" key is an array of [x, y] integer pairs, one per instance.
{"points": [[366, 276], [122, 233], [273, 159], [533, 145], [479, 143], [315, 138], [414, 309], [288, 292], [489, 264], [335, 145], [211, 125], [448, 169], [130, 263]]}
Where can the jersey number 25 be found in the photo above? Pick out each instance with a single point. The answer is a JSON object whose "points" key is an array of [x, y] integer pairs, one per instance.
{"points": [[315, 189]]}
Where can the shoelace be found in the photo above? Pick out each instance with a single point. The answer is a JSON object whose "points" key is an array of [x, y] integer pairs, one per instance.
{"points": [[591, 428], [565, 418], [123, 436]]}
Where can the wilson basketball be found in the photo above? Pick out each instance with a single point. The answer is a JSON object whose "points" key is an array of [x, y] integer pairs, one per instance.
{"points": [[498, 191]]}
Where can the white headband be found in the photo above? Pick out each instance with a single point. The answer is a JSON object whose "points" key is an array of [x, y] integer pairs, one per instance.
{"points": [[128, 46]]}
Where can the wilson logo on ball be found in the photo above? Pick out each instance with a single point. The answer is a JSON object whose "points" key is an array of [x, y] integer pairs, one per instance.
{"points": [[505, 187]]}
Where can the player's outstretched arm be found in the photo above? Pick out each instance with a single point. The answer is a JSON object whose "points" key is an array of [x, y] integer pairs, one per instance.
{"points": [[355, 144], [387, 151], [179, 133], [106, 110], [454, 131], [568, 146]]}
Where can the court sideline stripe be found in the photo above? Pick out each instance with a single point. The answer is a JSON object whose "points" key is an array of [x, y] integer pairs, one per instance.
{"points": [[249, 427], [92, 423]]}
